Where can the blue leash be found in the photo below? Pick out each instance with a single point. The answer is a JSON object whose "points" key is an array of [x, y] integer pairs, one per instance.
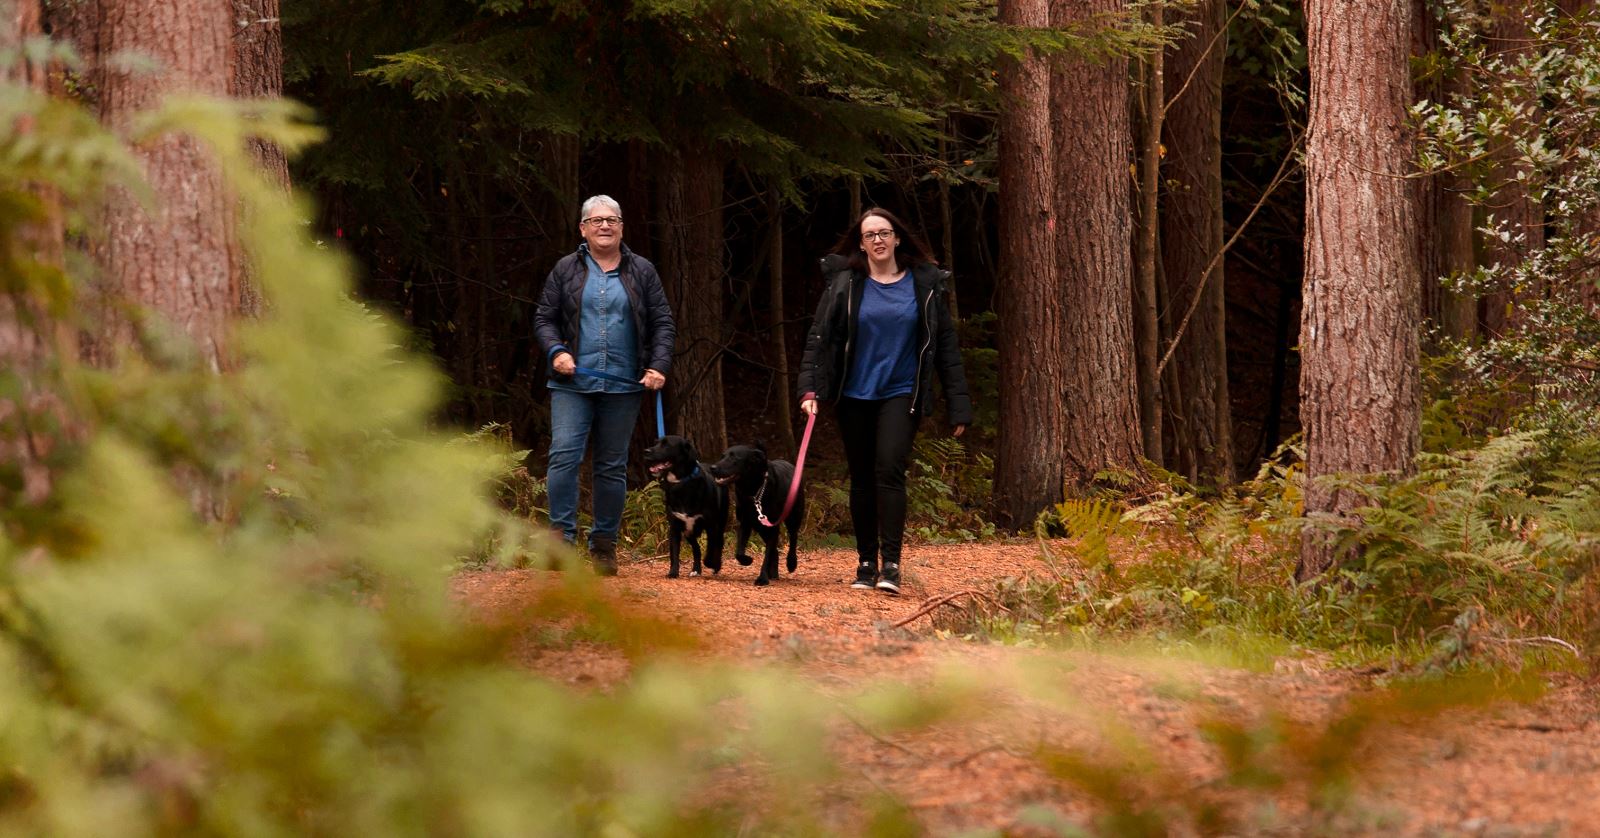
{"points": [[661, 414]]}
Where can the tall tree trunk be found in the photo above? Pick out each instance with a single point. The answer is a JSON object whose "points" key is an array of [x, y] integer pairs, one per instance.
{"points": [[1444, 215], [689, 209], [1191, 239], [31, 340], [177, 264], [551, 203], [257, 74], [1359, 379], [1030, 457], [1146, 321], [1090, 128], [1431, 212], [1511, 205], [947, 233], [780, 339]]}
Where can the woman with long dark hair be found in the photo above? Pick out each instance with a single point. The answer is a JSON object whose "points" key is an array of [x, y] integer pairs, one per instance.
{"points": [[881, 332]]}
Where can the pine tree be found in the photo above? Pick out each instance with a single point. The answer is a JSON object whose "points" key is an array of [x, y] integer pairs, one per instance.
{"points": [[1359, 374], [174, 262], [1191, 247], [1091, 138], [1029, 462]]}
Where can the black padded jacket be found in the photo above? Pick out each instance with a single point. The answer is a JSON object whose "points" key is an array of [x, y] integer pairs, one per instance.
{"points": [[829, 342], [555, 321]]}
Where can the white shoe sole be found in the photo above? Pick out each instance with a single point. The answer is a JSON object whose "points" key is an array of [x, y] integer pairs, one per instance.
{"points": [[889, 587], [865, 586]]}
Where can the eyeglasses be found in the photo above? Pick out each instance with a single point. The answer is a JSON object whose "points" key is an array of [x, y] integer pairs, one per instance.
{"points": [[603, 220], [877, 235]]}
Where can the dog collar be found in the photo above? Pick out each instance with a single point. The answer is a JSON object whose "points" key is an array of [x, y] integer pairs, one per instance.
{"points": [[673, 478]]}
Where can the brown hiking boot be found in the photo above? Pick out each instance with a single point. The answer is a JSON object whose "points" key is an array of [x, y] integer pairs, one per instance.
{"points": [[603, 555]]}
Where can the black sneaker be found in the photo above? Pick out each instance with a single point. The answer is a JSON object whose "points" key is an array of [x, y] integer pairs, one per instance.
{"points": [[889, 582], [603, 555], [866, 575]]}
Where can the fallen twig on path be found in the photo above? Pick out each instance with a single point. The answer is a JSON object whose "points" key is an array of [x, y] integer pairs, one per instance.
{"points": [[1542, 640], [1538, 727], [882, 739], [957, 763], [930, 604]]}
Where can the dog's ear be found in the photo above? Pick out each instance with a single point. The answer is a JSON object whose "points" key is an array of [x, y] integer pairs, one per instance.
{"points": [[690, 452], [761, 445]]}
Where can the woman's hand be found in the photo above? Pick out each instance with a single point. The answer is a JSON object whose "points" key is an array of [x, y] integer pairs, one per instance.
{"points": [[563, 364], [809, 406], [653, 380], [959, 430]]}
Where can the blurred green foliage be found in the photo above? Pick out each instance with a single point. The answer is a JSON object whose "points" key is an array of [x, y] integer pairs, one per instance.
{"points": [[233, 617]]}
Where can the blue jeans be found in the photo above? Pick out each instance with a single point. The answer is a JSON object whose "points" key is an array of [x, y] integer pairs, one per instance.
{"points": [[572, 417]]}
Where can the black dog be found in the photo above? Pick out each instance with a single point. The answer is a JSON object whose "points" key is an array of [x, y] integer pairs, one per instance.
{"points": [[695, 502], [760, 488]]}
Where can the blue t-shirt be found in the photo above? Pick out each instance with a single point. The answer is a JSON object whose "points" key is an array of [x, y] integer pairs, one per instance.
{"points": [[885, 364], [606, 339]]}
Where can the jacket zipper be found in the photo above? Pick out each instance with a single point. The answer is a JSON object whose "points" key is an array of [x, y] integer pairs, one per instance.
{"points": [[927, 327], [849, 329]]}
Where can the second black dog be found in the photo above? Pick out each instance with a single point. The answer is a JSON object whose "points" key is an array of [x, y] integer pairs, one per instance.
{"points": [[760, 487], [696, 503]]}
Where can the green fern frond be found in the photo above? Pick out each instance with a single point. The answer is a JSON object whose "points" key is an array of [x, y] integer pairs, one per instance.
{"points": [[1092, 523]]}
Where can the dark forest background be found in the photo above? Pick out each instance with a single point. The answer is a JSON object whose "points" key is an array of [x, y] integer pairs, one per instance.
{"points": [[449, 201]]}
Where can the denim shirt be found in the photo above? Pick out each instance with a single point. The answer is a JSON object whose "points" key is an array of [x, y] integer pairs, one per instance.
{"points": [[608, 342]]}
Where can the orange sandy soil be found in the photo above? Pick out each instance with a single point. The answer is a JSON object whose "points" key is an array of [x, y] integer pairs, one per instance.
{"points": [[1512, 769]]}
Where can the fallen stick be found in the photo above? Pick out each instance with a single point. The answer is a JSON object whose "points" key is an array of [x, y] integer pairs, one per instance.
{"points": [[932, 604], [1541, 640]]}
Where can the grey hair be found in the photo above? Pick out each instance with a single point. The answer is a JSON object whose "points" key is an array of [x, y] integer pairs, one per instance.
{"points": [[596, 201]]}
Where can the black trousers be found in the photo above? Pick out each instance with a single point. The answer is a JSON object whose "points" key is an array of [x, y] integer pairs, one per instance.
{"points": [[877, 445]]}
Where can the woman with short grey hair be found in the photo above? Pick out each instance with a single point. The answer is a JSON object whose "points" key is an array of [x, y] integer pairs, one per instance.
{"points": [[602, 309]]}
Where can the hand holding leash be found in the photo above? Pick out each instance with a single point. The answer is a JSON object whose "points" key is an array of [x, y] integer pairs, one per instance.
{"points": [[661, 409]]}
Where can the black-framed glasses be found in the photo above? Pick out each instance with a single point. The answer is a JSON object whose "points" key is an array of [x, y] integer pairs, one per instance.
{"points": [[604, 220], [877, 235]]}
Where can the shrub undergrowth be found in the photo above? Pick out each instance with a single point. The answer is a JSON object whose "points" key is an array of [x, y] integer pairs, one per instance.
{"points": [[1489, 551]]}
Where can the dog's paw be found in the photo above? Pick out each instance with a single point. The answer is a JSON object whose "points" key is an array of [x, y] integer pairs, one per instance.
{"points": [[693, 574], [792, 563], [715, 565], [762, 581], [746, 559], [672, 574]]}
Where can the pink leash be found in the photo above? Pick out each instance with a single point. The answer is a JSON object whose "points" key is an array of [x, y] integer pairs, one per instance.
{"points": [[794, 485]]}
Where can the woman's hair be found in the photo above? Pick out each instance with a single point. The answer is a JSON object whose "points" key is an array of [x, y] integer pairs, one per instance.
{"points": [[596, 201], [909, 250]]}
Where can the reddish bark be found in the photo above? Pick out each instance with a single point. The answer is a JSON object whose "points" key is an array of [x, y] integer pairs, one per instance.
{"points": [[689, 209], [1094, 253], [1030, 458], [1191, 238], [1359, 379], [30, 338], [174, 261]]}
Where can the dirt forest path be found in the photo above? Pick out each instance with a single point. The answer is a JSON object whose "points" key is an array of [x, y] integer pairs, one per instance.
{"points": [[1513, 769]]}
